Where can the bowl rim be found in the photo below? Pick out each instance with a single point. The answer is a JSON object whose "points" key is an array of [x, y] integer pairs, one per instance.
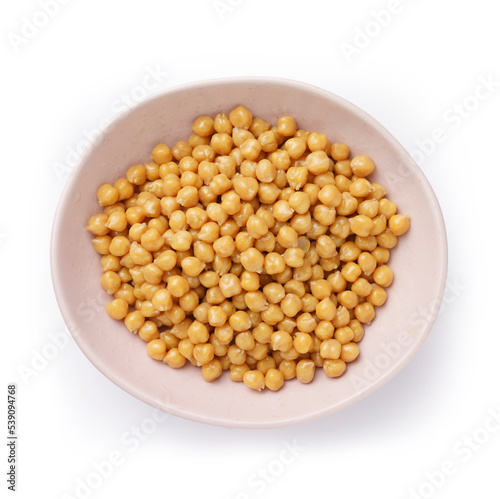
{"points": [[65, 309]]}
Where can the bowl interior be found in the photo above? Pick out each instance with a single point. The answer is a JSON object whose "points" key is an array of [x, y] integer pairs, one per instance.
{"points": [[400, 327]]}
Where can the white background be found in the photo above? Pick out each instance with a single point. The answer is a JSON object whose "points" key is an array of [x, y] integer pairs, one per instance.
{"points": [[414, 75]]}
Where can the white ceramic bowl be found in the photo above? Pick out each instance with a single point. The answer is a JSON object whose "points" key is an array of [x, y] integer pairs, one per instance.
{"points": [[419, 260]]}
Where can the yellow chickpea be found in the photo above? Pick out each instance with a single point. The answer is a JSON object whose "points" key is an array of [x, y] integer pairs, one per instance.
{"points": [[117, 309], [362, 166], [305, 370], [287, 126], [203, 126], [339, 152], [383, 276], [241, 117], [399, 224], [137, 174], [203, 353], [295, 147], [317, 162], [330, 349], [211, 370], [350, 352], [157, 349], [274, 379], [161, 154], [334, 368], [254, 379], [174, 358]]}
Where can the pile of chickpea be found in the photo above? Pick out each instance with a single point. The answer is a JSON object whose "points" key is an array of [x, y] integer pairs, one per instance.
{"points": [[252, 248]]}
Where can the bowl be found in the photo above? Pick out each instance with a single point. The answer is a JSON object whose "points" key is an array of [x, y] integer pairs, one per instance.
{"points": [[400, 327]]}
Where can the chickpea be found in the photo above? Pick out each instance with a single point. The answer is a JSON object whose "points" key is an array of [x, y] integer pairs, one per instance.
{"points": [[348, 205], [399, 224], [306, 323], [361, 225], [177, 286], [241, 117], [324, 330], [339, 152], [295, 147], [111, 282], [187, 196], [174, 358], [149, 332], [245, 341], [197, 140], [250, 149], [288, 369], [254, 379], [246, 187], [362, 166], [181, 241], [287, 126], [237, 372], [181, 150], [203, 353], [281, 340], [137, 174], [351, 271], [274, 263], [326, 310], [317, 162], [230, 285], [107, 195], [274, 379], [212, 370], [326, 247], [240, 321], [253, 260], [125, 189], [350, 352], [305, 370], [134, 321], [381, 255], [162, 300], [383, 276], [291, 305], [302, 342], [117, 221], [361, 287], [299, 202], [117, 309], [157, 349], [364, 312], [317, 142], [325, 215], [334, 368], [203, 126], [97, 225]]}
